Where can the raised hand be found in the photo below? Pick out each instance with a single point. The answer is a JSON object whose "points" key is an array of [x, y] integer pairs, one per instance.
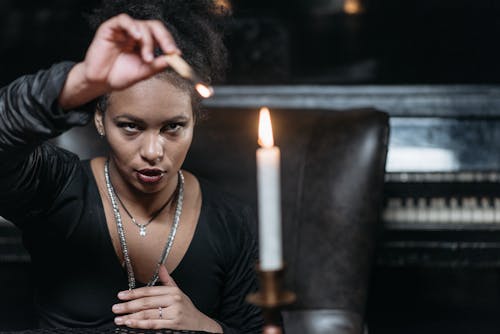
{"points": [[122, 51], [164, 306], [120, 55]]}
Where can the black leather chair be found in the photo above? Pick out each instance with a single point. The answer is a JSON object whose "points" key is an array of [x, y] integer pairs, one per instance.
{"points": [[332, 166], [332, 178]]}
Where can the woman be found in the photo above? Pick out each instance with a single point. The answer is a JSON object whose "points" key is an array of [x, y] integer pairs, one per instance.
{"points": [[129, 238]]}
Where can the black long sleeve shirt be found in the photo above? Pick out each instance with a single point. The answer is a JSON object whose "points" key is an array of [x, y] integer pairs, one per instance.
{"points": [[53, 197]]}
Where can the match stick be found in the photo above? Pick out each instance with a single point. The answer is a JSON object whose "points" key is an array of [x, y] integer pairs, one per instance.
{"points": [[184, 70]]}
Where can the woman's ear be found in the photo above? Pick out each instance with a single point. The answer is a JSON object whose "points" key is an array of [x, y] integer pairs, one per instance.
{"points": [[99, 122]]}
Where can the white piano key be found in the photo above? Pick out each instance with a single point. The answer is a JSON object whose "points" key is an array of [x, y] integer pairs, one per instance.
{"points": [[455, 212], [487, 209], [396, 205], [410, 212], [443, 213], [389, 213], [422, 213], [466, 211], [477, 213], [496, 209]]}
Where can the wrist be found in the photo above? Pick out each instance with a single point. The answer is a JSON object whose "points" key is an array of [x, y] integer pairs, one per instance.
{"points": [[78, 89]]}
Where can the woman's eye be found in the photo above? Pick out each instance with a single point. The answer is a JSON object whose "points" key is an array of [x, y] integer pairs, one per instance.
{"points": [[127, 126], [173, 127]]}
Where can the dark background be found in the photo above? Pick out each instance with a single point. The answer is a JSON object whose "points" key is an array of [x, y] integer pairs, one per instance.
{"points": [[296, 41]]}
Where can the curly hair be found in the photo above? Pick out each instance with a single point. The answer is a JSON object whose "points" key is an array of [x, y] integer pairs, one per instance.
{"points": [[196, 26]]}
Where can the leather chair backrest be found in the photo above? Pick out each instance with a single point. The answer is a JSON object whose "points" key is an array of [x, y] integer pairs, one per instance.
{"points": [[332, 168]]}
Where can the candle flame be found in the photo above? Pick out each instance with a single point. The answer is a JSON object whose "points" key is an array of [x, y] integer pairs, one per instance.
{"points": [[204, 91], [223, 5], [353, 7], [265, 129]]}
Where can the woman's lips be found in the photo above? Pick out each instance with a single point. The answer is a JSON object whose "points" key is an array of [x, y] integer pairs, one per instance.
{"points": [[150, 176]]}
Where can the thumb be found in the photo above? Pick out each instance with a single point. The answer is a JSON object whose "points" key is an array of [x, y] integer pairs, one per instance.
{"points": [[165, 277]]}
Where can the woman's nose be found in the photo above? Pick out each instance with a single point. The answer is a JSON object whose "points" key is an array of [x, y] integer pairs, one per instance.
{"points": [[152, 148]]}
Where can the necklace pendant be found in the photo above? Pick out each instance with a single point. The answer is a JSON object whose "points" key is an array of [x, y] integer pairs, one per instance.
{"points": [[142, 231]]}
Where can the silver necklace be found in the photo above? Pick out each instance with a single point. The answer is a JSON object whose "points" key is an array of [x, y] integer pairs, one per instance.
{"points": [[142, 227], [121, 232]]}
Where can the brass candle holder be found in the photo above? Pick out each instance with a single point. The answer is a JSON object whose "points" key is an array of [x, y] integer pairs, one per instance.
{"points": [[271, 297]]}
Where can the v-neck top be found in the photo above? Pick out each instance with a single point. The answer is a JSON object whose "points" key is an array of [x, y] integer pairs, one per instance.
{"points": [[53, 198]]}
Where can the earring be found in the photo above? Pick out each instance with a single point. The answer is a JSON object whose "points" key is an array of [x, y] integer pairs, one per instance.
{"points": [[101, 133]]}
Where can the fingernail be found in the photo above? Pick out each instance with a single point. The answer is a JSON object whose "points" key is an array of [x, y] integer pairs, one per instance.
{"points": [[148, 57], [122, 294], [117, 307], [172, 49], [137, 32], [119, 321]]}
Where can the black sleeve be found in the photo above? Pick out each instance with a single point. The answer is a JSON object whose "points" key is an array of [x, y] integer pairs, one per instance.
{"points": [[33, 172], [237, 315]]}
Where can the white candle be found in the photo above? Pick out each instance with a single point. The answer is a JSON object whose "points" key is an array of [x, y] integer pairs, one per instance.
{"points": [[269, 198]]}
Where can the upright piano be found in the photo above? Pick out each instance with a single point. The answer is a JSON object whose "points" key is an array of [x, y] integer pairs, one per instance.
{"points": [[442, 192]]}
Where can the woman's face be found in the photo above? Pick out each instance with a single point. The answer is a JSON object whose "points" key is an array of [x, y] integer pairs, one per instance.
{"points": [[149, 128]]}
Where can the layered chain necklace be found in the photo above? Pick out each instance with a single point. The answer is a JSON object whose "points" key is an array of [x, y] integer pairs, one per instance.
{"points": [[121, 233], [142, 227]]}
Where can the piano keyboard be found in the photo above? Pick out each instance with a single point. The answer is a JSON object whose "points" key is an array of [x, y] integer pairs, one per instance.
{"points": [[442, 177], [441, 210], [442, 200]]}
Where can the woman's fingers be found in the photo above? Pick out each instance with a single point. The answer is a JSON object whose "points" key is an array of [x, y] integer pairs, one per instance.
{"points": [[163, 37], [147, 291], [164, 317], [153, 314], [128, 24], [159, 64], [154, 34], [158, 313], [160, 307], [120, 55], [146, 303], [152, 324], [147, 34], [149, 318], [146, 43]]}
